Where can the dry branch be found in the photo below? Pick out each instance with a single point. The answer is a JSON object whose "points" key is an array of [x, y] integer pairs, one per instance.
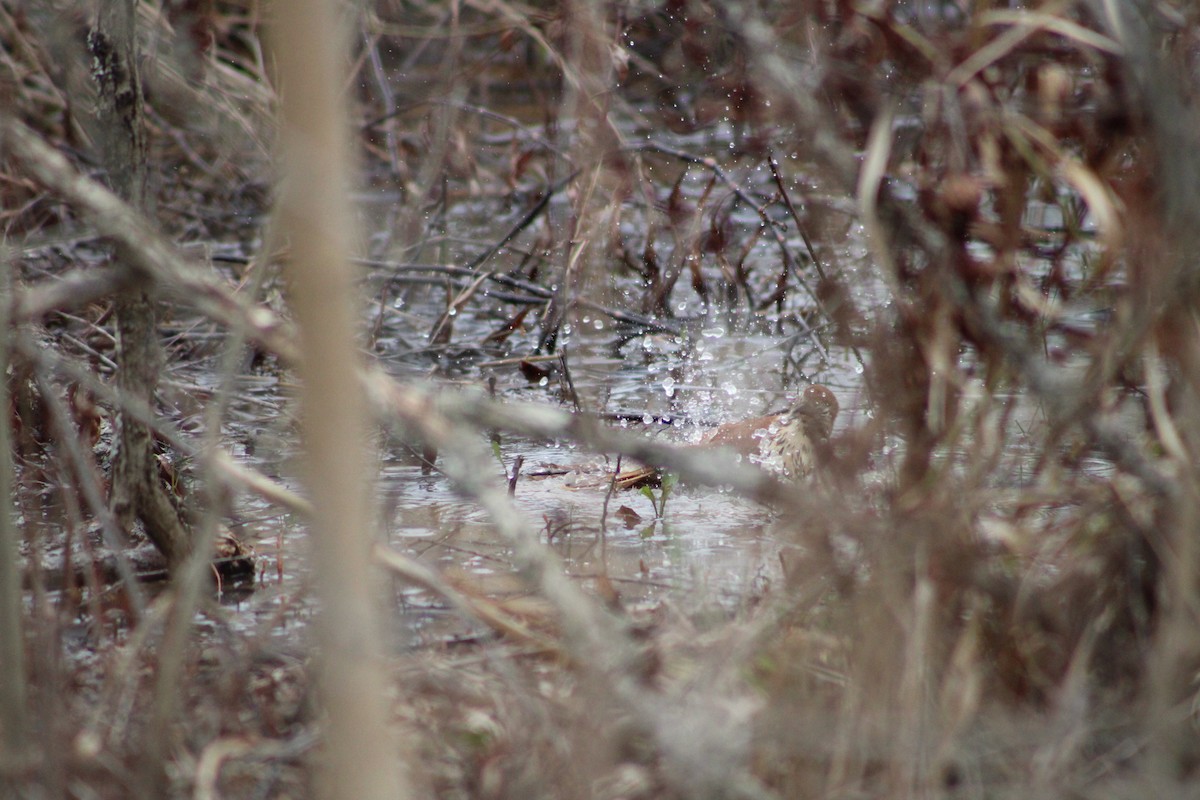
{"points": [[153, 258], [236, 476], [594, 638], [159, 263], [363, 758]]}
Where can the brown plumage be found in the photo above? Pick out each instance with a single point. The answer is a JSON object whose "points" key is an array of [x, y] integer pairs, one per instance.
{"points": [[786, 443]]}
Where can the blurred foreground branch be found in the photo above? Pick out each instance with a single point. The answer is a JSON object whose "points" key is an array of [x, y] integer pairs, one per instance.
{"points": [[362, 756], [151, 256]]}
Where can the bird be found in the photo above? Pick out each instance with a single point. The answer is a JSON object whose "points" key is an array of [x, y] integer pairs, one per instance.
{"points": [[788, 443]]}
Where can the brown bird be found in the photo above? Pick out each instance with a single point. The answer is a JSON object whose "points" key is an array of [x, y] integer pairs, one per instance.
{"points": [[787, 443]]}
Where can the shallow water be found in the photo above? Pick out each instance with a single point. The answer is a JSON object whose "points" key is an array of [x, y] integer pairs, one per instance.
{"points": [[724, 363], [707, 548]]}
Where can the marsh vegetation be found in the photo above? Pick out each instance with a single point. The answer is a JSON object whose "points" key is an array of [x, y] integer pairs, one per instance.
{"points": [[327, 326]]}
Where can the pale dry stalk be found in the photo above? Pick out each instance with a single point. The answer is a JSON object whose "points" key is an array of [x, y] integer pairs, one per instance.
{"points": [[362, 757]]}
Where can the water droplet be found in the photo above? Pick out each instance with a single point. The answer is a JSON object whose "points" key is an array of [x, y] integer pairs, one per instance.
{"points": [[713, 333], [544, 382], [669, 387]]}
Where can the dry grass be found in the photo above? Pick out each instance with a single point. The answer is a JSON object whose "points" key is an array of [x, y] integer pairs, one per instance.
{"points": [[992, 591]]}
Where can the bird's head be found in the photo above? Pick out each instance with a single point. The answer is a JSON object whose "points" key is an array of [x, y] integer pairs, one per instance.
{"points": [[816, 409]]}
